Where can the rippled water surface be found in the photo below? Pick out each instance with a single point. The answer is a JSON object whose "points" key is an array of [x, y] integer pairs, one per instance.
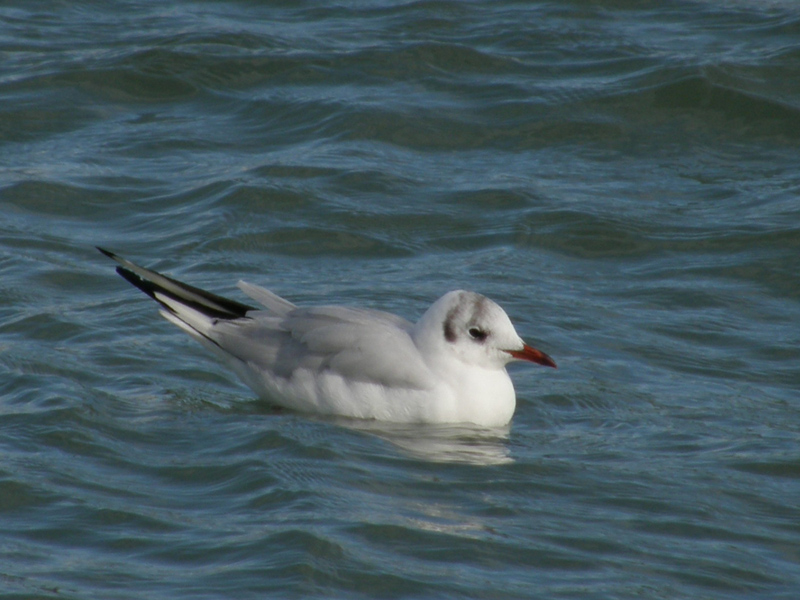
{"points": [[623, 177]]}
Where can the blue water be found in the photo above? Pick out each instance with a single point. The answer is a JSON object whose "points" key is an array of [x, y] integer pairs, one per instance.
{"points": [[622, 177]]}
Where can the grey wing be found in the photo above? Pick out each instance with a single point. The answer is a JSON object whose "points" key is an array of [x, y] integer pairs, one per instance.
{"points": [[360, 345]]}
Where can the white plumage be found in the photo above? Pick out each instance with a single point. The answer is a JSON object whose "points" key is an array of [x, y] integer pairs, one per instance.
{"points": [[449, 367]]}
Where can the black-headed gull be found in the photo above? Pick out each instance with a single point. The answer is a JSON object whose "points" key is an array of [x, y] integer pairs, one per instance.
{"points": [[449, 367]]}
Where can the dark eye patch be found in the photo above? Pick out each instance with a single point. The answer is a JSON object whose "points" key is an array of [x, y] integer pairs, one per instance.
{"points": [[478, 334]]}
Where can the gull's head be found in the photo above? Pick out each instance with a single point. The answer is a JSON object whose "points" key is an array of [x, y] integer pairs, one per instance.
{"points": [[476, 330]]}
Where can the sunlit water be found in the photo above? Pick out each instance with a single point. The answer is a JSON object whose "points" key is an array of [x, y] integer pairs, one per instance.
{"points": [[623, 178]]}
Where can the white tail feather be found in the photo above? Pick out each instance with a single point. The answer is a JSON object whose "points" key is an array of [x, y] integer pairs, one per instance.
{"points": [[273, 302]]}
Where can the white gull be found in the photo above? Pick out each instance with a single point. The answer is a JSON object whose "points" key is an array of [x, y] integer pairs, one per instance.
{"points": [[449, 367]]}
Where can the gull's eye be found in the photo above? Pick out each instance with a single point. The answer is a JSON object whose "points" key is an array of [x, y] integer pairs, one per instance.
{"points": [[476, 333]]}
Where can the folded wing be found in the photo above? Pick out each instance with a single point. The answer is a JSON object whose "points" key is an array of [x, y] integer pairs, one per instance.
{"points": [[359, 345], [282, 340]]}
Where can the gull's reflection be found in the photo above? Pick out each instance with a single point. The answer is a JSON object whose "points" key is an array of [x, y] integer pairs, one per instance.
{"points": [[464, 443]]}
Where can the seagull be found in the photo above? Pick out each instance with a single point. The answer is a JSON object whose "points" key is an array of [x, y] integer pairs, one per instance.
{"points": [[448, 367]]}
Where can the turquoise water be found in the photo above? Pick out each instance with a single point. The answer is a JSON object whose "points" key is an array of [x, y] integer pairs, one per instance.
{"points": [[623, 178]]}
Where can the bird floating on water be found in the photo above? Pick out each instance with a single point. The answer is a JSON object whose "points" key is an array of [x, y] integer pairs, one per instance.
{"points": [[448, 367]]}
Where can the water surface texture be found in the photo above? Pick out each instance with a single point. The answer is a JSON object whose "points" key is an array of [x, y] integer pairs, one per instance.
{"points": [[622, 177]]}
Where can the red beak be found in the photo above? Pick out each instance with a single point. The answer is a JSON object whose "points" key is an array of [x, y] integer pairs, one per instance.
{"points": [[533, 355]]}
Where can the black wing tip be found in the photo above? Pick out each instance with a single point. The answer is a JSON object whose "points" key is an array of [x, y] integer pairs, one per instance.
{"points": [[147, 287], [213, 304]]}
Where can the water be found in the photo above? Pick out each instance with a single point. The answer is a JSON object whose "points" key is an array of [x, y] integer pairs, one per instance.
{"points": [[622, 177]]}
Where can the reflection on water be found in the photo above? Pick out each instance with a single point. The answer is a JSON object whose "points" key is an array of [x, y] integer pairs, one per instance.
{"points": [[462, 443]]}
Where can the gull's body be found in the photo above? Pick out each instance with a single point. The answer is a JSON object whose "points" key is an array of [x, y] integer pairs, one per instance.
{"points": [[449, 367]]}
